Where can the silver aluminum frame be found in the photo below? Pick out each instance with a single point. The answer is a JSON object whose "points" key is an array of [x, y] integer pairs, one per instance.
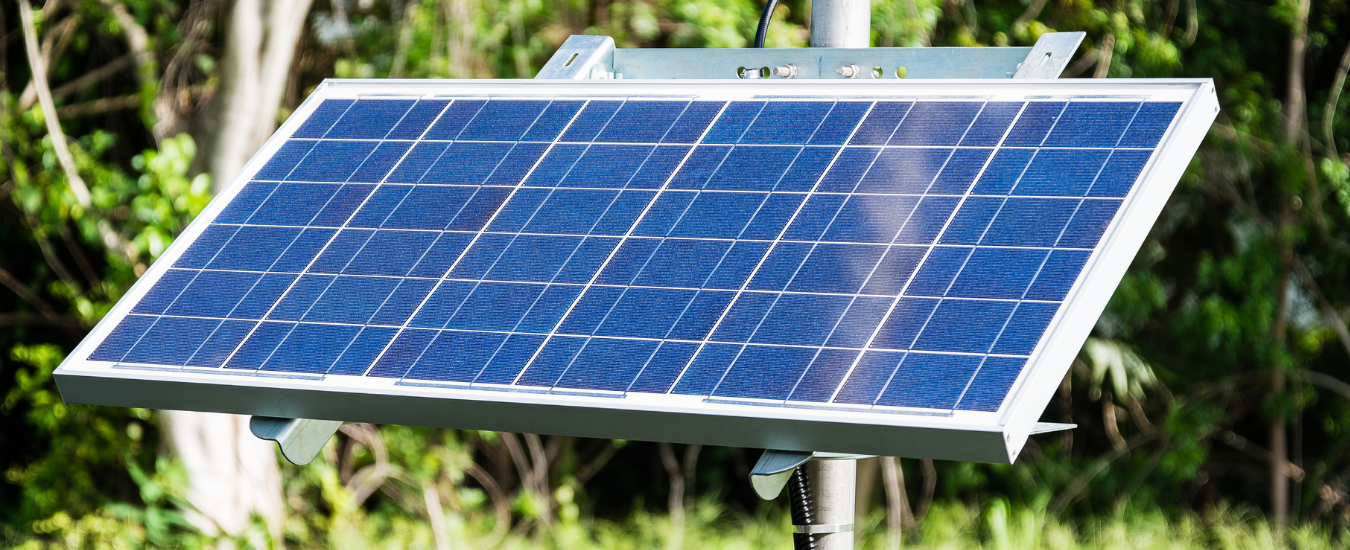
{"points": [[955, 435]]}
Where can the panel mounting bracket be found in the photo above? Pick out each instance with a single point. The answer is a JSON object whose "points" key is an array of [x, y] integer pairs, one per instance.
{"points": [[300, 439]]}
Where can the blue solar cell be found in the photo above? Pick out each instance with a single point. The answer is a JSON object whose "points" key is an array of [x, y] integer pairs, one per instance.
{"points": [[744, 316], [218, 347], [444, 301], [503, 120], [341, 206], [400, 355], [664, 213], [964, 326], [991, 384], [628, 261], [960, 171], [989, 127], [971, 220], [858, 324], [824, 375], [1003, 171], [332, 161], [664, 367], [351, 300], [399, 306], [906, 319], [786, 122], [868, 377], [693, 122], [522, 158], [1030, 222], [880, 123], [1092, 124], [1149, 124], [590, 310], [586, 260], [323, 118], [837, 268], [341, 250], [591, 120], [929, 219], [773, 216], [1058, 274], [213, 294], [510, 359], [814, 217], [781, 265], [453, 119], [381, 160], [370, 119], [701, 315], [1120, 173], [416, 162], [645, 313], [423, 207], [895, 269], [1003, 273], [1061, 173], [165, 291], [765, 372], [718, 215], [699, 167], [495, 306], [442, 254], [259, 346], [466, 163], [1025, 328], [642, 121], [553, 120], [118, 342], [607, 364], [807, 168], [1036, 120], [933, 381], [623, 212], [551, 361], [171, 341], [658, 167], [294, 204], [753, 168], [480, 209], [608, 166], [737, 265], [549, 308], [418, 118], [838, 125], [707, 369], [518, 211], [379, 205], [357, 357], [263, 296], [310, 348], [481, 255], [555, 165], [534, 258], [456, 356], [300, 297], [571, 211], [801, 320], [1088, 223], [284, 160], [847, 169], [246, 202], [254, 248], [936, 123], [903, 170], [938, 270], [733, 122], [682, 263]]}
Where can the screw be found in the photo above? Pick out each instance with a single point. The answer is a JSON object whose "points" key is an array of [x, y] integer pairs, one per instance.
{"points": [[849, 71]]}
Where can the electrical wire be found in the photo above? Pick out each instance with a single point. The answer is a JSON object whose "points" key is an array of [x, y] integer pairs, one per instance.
{"points": [[764, 18]]}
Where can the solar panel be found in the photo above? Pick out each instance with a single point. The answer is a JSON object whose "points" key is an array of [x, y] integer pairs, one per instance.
{"points": [[858, 267]]}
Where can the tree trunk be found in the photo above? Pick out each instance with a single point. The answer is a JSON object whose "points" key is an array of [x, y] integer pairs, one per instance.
{"points": [[231, 474], [258, 51]]}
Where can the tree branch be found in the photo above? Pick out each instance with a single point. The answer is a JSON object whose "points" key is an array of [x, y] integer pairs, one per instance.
{"points": [[27, 294], [39, 71], [92, 77], [1333, 100]]}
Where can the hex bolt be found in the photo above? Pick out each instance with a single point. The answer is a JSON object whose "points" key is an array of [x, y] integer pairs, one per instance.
{"points": [[785, 71], [849, 71]]}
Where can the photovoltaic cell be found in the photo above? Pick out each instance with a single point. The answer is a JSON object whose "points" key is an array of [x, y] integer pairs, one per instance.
{"points": [[809, 251]]}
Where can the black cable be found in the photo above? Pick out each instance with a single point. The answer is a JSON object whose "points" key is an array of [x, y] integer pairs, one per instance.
{"points": [[764, 23], [802, 507]]}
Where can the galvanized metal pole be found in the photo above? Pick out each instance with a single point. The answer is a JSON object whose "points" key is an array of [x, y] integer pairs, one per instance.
{"points": [[821, 495], [841, 23]]}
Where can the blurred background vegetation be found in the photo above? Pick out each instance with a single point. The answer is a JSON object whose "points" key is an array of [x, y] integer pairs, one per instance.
{"points": [[1210, 401]]}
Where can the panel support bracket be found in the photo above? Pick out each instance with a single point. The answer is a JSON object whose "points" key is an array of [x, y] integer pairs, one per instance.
{"points": [[300, 439]]}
